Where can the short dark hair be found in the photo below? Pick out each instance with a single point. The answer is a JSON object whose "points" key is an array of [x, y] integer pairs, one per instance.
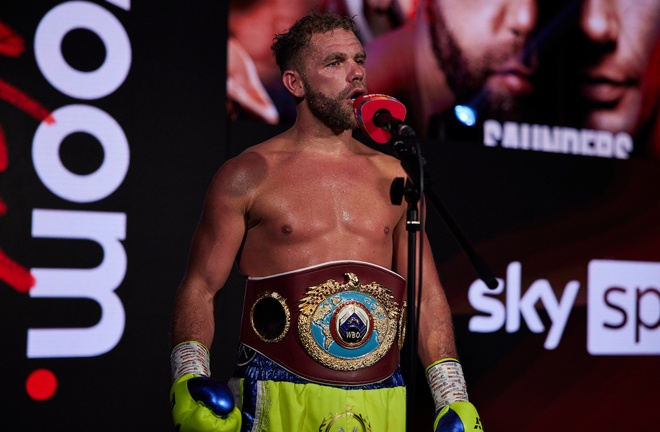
{"points": [[287, 46]]}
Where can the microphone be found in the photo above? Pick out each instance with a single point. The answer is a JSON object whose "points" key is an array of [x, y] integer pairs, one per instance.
{"points": [[381, 116]]}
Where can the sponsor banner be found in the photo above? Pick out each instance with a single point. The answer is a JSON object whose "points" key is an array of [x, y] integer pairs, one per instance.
{"points": [[111, 127], [623, 308]]}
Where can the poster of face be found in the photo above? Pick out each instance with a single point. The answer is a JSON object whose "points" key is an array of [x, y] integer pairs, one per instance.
{"points": [[569, 76], [110, 117]]}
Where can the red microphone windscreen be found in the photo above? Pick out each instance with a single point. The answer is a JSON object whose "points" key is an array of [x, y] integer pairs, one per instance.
{"points": [[366, 106]]}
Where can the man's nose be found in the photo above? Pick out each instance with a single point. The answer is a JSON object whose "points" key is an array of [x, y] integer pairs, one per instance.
{"points": [[599, 21], [357, 72], [521, 16]]}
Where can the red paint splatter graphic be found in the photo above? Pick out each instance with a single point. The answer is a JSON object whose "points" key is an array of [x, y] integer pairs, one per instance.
{"points": [[24, 102], [14, 274], [41, 384], [4, 155], [12, 45]]}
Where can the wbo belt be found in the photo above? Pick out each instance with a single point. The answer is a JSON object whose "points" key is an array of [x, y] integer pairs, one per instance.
{"points": [[335, 323]]}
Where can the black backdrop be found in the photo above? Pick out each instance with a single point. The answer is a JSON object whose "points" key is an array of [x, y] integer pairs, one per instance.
{"points": [[554, 214], [171, 109]]}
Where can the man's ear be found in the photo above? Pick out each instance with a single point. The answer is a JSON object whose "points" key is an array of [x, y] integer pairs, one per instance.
{"points": [[293, 83]]}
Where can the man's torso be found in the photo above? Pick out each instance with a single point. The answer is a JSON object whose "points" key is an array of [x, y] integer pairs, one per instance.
{"points": [[311, 208]]}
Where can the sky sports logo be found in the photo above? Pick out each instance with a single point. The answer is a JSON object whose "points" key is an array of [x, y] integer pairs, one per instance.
{"points": [[623, 310], [623, 315]]}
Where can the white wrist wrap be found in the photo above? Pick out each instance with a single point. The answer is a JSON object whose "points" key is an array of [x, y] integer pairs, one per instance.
{"points": [[447, 382], [190, 358]]}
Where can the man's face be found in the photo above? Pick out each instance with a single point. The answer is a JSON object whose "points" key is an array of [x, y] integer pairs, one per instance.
{"points": [[479, 45], [620, 35], [333, 74]]}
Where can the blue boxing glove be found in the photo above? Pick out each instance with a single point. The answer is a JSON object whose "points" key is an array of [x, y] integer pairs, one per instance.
{"points": [[454, 413], [199, 403]]}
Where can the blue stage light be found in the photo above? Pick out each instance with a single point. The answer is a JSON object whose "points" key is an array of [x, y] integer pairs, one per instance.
{"points": [[465, 115]]}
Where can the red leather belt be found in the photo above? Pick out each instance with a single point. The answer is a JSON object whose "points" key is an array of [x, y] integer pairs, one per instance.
{"points": [[338, 323]]}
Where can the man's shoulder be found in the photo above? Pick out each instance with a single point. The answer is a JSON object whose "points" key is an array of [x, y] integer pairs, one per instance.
{"points": [[242, 175], [255, 156], [249, 160], [248, 170]]}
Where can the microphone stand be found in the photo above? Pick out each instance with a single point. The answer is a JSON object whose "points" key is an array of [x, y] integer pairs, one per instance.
{"points": [[408, 152]]}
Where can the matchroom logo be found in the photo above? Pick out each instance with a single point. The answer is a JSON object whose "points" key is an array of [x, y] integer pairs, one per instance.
{"points": [[623, 308]]}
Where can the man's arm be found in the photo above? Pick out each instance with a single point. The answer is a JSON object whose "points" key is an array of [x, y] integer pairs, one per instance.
{"points": [[436, 330], [215, 245], [199, 402], [436, 345]]}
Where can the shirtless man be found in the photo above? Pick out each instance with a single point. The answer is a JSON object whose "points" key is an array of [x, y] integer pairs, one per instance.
{"points": [[307, 216]]}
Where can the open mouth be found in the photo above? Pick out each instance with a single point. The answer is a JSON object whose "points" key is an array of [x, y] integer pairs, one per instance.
{"points": [[356, 93]]}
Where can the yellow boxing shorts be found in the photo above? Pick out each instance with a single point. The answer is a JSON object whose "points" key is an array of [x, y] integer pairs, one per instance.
{"points": [[282, 406]]}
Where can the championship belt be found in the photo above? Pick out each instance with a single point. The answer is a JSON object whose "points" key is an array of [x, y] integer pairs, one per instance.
{"points": [[339, 323]]}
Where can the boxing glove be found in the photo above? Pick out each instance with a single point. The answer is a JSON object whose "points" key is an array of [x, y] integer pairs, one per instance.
{"points": [[199, 403], [453, 411]]}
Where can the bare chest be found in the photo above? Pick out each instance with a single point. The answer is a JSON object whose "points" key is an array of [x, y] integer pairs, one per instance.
{"points": [[316, 201]]}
